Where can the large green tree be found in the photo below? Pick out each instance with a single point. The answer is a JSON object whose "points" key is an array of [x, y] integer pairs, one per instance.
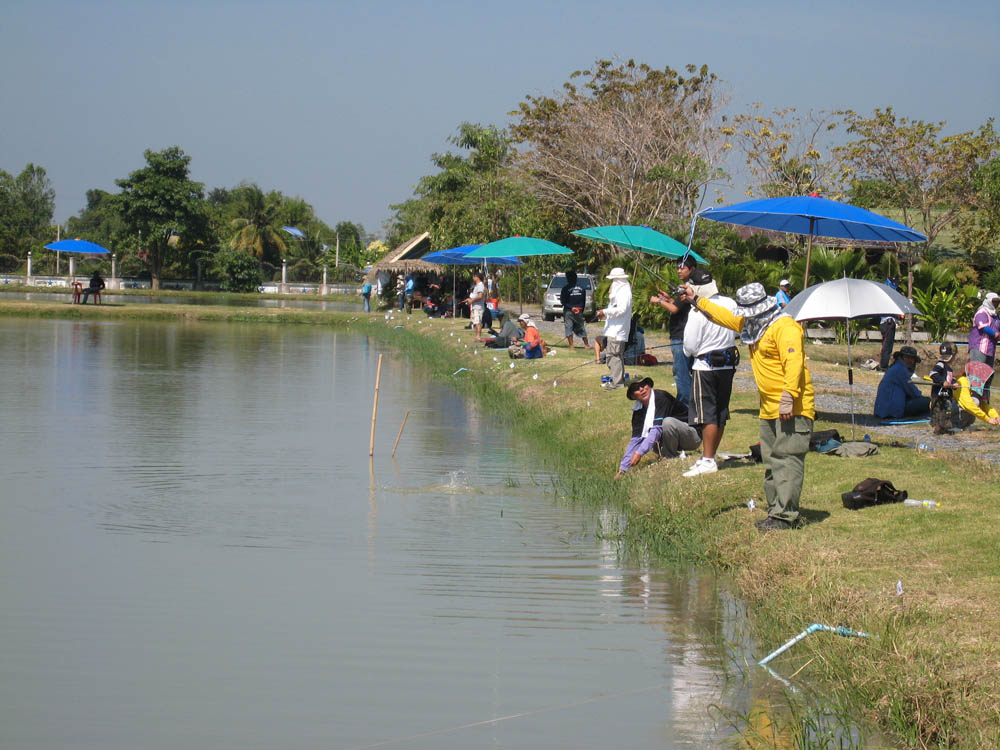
{"points": [[910, 166], [27, 202], [163, 208], [473, 197], [257, 224]]}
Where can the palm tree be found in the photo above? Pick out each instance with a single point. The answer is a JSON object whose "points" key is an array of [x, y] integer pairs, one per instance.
{"points": [[255, 233]]}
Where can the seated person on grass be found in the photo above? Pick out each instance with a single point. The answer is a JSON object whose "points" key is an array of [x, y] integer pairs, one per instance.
{"points": [[510, 332], [897, 396], [534, 347], [659, 421], [974, 395]]}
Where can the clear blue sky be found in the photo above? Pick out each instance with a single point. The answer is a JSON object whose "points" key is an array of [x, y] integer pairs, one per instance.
{"points": [[342, 103]]}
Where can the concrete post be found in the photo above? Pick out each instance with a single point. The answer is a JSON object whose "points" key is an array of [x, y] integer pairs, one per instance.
{"points": [[324, 289], [72, 269], [27, 278], [113, 283], [284, 276]]}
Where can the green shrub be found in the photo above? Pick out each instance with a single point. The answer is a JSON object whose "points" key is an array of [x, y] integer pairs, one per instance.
{"points": [[240, 272]]}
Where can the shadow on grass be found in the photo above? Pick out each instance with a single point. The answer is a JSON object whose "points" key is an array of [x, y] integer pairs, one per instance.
{"points": [[807, 516]]}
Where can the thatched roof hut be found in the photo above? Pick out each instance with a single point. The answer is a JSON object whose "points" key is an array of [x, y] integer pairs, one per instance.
{"points": [[405, 259]]}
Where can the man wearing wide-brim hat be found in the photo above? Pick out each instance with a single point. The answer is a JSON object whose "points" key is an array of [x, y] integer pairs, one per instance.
{"points": [[787, 405], [617, 318], [659, 423], [897, 397]]}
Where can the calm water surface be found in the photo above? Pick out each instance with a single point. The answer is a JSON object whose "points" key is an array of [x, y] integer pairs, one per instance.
{"points": [[197, 554]]}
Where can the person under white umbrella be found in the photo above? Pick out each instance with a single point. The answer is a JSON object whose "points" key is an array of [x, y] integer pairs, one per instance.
{"points": [[846, 299]]}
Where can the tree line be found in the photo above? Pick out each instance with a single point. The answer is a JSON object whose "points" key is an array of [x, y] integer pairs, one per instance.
{"points": [[626, 143], [162, 224], [619, 143]]}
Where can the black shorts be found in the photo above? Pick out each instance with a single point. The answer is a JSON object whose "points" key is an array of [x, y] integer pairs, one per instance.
{"points": [[710, 393]]}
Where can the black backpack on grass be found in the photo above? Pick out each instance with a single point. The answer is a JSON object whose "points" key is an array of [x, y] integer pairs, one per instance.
{"points": [[872, 492]]}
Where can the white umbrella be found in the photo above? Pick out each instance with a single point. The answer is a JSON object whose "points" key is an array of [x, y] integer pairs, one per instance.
{"points": [[846, 299]]}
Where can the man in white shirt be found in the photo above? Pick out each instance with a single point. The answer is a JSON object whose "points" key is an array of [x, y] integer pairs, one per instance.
{"points": [[617, 318], [714, 357], [477, 303]]}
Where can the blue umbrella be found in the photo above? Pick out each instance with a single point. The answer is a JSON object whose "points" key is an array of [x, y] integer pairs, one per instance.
{"points": [[458, 256], [77, 246], [814, 217]]}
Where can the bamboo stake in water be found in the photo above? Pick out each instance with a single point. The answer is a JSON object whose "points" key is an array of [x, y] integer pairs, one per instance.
{"points": [[378, 377], [400, 432]]}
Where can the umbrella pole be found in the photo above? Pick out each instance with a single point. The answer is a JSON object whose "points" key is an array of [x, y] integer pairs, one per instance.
{"points": [[454, 302], [520, 294], [850, 375], [809, 247]]}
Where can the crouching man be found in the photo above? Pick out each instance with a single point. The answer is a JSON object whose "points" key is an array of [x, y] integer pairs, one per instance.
{"points": [[659, 421]]}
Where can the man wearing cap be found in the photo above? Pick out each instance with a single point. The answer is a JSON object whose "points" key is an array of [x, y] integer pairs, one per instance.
{"points": [[617, 318], [477, 303], [897, 396], [787, 408], [657, 419], [783, 297], [714, 356], [678, 307]]}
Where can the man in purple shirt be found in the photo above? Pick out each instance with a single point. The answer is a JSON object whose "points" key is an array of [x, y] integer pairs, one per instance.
{"points": [[985, 329]]}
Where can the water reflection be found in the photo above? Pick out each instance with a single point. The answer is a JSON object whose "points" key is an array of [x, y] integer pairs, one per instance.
{"points": [[202, 558]]}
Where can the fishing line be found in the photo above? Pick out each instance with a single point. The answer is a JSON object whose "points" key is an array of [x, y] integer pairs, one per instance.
{"points": [[521, 715]]}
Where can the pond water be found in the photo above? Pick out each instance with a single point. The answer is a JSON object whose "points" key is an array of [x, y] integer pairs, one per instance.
{"points": [[197, 553]]}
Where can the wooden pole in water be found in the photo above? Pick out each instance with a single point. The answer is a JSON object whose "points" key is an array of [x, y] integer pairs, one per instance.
{"points": [[378, 377], [400, 432]]}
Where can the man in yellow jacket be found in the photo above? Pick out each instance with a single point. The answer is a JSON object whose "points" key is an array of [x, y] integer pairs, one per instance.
{"points": [[787, 405]]}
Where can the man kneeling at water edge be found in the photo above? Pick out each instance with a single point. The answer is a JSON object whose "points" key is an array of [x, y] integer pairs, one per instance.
{"points": [[658, 421]]}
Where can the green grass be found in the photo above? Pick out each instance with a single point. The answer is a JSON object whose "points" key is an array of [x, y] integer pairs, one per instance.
{"points": [[931, 678]]}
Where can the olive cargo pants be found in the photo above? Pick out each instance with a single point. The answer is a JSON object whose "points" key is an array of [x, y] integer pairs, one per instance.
{"points": [[783, 447]]}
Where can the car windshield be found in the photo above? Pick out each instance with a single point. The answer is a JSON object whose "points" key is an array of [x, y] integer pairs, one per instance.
{"points": [[560, 281]]}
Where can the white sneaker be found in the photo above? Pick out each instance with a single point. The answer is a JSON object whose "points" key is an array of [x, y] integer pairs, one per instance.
{"points": [[702, 466]]}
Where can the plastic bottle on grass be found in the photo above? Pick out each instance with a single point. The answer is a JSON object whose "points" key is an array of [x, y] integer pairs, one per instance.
{"points": [[928, 504]]}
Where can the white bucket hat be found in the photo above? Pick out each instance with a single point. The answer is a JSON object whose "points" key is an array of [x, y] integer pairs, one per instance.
{"points": [[617, 274]]}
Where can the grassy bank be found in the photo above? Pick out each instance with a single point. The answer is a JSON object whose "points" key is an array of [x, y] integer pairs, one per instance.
{"points": [[931, 678]]}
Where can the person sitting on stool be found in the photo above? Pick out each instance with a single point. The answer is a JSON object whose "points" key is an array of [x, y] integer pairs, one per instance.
{"points": [[96, 285], [897, 396]]}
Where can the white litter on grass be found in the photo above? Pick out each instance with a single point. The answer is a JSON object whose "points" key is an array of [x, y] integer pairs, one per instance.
{"points": [[535, 376], [588, 403], [552, 353], [899, 588], [460, 369], [751, 504], [495, 359], [512, 365], [452, 333]]}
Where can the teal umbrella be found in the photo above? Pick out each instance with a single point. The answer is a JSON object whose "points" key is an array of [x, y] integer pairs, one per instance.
{"points": [[639, 238], [516, 247]]}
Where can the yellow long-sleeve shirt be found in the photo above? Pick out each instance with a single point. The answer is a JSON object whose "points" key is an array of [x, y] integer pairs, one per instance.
{"points": [[966, 401], [778, 360]]}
